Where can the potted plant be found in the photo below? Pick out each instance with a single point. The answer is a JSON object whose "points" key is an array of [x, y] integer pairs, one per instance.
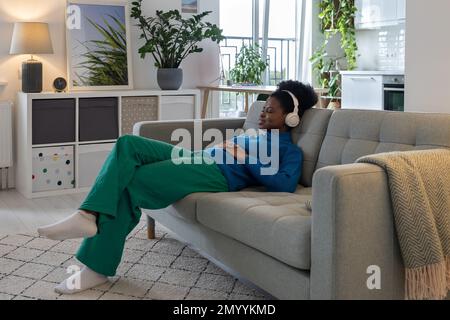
{"points": [[334, 90], [170, 38], [249, 66], [329, 77]]}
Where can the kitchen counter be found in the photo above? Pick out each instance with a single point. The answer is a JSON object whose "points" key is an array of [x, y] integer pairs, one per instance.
{"points": [[372, 72]]}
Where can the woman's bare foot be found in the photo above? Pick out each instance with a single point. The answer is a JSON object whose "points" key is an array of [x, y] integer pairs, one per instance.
{"points": [[80, 224]]}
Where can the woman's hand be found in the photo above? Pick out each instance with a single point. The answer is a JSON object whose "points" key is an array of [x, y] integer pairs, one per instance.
{"points": [[236, 151]]}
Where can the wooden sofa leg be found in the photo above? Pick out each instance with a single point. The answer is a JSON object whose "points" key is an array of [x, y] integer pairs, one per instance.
{"points": [[150, 228]]}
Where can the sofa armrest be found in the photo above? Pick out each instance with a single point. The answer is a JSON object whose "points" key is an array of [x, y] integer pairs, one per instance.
{"points": [[353, 229], [162, 130]]}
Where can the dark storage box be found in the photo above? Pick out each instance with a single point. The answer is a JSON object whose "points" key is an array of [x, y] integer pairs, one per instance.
{"points": [[53, 121], [99, 119]]}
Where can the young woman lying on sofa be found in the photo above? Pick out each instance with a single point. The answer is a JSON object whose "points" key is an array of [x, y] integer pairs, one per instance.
{"points": [[140, 173]]}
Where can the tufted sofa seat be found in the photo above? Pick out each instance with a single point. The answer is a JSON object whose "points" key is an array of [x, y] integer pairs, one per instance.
{"points": [[253, 217]]}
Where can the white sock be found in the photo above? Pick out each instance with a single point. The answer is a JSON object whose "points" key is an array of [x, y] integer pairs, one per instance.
{"points": [[78, 225], [80, 281]]}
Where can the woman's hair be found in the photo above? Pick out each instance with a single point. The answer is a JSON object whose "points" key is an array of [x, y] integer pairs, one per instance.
{"points": [[307, 97]]}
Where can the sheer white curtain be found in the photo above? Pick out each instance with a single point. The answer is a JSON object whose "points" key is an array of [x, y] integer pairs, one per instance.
{"points": [[265, 40], [304, 40]]}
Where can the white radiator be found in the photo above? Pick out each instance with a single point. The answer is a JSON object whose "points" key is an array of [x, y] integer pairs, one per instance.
{"points": [[5, 139]]}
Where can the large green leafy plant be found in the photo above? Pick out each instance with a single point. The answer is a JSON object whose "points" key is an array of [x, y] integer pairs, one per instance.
{"points": [[249, 65], [170, 38], [104, 60], [337, 18]]}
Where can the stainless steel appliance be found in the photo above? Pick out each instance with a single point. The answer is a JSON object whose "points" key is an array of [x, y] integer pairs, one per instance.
{"points": [[394, 93]]}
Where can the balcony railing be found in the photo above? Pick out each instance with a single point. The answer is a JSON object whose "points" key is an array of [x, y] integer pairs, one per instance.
{"points": [[281, 56]]}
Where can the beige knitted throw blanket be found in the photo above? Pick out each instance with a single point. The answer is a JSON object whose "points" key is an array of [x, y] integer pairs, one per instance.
{"points": [[419, 183]]}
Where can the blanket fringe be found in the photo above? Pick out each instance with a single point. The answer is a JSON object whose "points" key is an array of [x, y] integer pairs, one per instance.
{"points": [[447, 261], [428, 282]]}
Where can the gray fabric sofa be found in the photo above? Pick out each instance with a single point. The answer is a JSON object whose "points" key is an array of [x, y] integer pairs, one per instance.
{"points": [[273, 241]]}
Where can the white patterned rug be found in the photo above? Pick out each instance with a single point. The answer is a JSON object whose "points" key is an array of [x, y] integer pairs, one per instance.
{"points": [[163, 268]]}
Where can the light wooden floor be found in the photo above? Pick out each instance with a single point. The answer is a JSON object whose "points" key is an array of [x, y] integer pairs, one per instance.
{"points": [[21, 215]]}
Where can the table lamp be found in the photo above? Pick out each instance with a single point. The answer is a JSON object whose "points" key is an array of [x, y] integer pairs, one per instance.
{"points": [[31, 38]]}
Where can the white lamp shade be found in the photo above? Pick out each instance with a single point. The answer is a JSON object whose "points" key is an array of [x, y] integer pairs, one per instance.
{"points": [[31, 38]]}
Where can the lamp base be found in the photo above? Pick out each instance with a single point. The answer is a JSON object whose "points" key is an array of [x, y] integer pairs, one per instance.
{"points": [[32, 76]]}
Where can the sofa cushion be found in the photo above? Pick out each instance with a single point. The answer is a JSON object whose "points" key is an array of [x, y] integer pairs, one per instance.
{"points": [[355, 133], [277, 224], [251, 122], [186, 207], [308, 135]]}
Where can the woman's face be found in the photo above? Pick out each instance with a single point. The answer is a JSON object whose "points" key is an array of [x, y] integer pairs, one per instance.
{"points": [[272, 116]]}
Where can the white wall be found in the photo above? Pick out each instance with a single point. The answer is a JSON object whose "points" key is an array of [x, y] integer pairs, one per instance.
{"points": [[427, 61], [198, 68], [51, 11]]}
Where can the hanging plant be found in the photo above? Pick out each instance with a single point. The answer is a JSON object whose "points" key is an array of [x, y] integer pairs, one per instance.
{"points": [[346, 27], [336, 17]]}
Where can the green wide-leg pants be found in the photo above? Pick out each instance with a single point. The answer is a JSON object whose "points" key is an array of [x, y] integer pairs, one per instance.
{"points": [[139, 173]]}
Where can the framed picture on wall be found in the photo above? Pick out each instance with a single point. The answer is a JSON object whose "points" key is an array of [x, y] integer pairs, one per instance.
{"points": [[189, 6], [98, 45]]}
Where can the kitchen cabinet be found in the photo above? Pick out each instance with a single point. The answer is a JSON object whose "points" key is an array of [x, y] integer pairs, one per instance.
{"points": [[373, 90], [362, 92], [379, 13], [401, 10]]}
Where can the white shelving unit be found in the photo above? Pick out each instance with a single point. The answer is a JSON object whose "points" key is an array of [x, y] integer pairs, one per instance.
{"points": [[63, 143]]}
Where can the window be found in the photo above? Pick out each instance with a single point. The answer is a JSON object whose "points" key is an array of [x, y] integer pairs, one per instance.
{"points": [[237, 21], [281, 49], [236, 17]]}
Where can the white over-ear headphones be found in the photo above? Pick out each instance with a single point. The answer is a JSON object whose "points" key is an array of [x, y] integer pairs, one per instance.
{"points": [[292, 119]]}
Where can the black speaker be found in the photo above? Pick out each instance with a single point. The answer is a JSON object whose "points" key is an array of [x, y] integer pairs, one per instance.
{"points": [[32, 76]]}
